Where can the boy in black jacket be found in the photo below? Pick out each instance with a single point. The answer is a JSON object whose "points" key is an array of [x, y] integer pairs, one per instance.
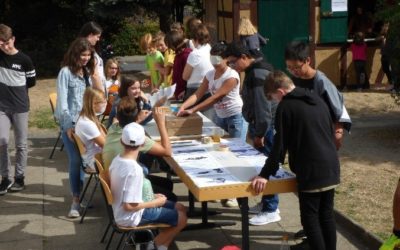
{"points": [[259, 113], [304, 129]]}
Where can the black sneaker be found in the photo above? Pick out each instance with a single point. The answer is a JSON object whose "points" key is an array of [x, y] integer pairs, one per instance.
{"points": [[5, 186], [300, 235], [18, 185]]}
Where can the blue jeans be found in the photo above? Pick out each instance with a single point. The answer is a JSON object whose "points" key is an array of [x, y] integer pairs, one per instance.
{"points": [[76, 174], [166, 214], [232, 124], [270, 202]]}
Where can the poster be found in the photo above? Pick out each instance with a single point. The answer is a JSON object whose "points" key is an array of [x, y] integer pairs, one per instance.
{"points": [[339, 5]]}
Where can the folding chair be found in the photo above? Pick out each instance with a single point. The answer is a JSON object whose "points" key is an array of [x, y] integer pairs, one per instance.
{"points": [[53, 101], [82, 151], [128, 233]]}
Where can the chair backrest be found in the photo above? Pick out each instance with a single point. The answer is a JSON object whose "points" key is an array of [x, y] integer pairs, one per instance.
{"points": [[53, 102], [79, 144], [98, 160], [105, 183]]}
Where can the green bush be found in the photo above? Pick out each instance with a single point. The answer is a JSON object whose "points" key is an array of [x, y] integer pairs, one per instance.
{"points": [[126, 41]]}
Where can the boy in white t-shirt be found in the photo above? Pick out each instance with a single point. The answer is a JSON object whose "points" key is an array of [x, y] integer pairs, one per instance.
{"points": [[126, 177]]}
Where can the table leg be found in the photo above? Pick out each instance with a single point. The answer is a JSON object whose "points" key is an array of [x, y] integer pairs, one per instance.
{"points": [[192, 210], [204, 217], [244, 209]]}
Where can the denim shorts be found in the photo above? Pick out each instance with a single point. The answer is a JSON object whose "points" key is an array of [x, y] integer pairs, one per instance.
{"points": [[166, 214]]}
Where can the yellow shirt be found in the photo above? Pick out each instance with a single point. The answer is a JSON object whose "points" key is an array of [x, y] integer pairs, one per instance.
{"points": [[169, 57]]}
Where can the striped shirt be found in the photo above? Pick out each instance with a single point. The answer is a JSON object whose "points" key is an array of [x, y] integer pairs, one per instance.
{"points": [[17, 74]]}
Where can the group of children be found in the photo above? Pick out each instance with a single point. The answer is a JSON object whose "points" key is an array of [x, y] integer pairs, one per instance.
{"points": [[315, 124]]}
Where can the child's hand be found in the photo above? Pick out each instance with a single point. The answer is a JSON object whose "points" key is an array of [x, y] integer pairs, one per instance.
{"points": [[159, 115], [144, 97], [186, 112]]}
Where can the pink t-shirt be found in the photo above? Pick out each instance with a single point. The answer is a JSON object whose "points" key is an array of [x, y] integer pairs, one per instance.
{"points": [[359, 51]]}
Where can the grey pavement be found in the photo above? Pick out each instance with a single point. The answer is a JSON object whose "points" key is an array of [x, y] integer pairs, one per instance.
{"points": [[36, 217]]}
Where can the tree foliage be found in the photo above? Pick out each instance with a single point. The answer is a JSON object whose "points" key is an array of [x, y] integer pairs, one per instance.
{"points": [[45, 28]]}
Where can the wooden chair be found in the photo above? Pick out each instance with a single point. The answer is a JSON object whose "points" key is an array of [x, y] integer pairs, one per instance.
{"points": [[128, 233], [53, 102], [92, 174]]}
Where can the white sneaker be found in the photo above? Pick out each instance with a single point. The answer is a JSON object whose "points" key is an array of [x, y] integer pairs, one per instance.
{"points": [[74, 212], [264, 218], [230, 203]]}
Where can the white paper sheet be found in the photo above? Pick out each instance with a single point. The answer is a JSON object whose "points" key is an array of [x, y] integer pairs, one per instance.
{"points": [[339, 5]]}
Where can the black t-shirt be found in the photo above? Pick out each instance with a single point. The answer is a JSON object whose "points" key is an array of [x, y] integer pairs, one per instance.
{"points": [[17, 74], [304, 83]]}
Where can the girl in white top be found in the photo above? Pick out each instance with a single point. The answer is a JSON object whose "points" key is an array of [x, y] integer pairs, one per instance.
{"points": [[198, 62], [88, 126], [223, 83]]}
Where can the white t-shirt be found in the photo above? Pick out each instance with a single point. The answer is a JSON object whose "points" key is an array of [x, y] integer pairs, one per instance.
{"points": [[87, 131], [232, 103], [126, 177], [199, 59], [100, 67]]}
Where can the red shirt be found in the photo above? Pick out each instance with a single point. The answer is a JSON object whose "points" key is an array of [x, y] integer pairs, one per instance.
{"points": [[359, 51], [177, 71]]}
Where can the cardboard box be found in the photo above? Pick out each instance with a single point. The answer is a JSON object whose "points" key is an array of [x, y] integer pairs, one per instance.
{"points": [[187, 125]]}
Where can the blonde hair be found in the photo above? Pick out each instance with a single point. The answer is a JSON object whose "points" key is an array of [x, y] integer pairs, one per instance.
{"points": [[146, 42], [246, 28], [275, 80], [108, 65], [90, 96]]}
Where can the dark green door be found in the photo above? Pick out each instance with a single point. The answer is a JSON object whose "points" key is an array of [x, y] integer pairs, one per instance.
{"points": [[333, 25], [282, 21]]}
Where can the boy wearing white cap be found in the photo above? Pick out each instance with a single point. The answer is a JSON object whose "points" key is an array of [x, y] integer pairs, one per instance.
{"points": [[131, 205]]}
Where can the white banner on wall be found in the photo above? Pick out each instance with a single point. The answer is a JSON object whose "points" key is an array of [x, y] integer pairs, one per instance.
{"points": [[339, 5]]}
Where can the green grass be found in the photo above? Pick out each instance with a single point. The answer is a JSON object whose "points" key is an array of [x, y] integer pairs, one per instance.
{"points": [[42, 118]]}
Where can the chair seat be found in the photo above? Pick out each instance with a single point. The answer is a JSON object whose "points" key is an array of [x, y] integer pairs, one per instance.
{"points": [[144, 227]]}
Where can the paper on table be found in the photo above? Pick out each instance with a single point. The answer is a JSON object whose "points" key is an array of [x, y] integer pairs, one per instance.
{"points": [[215, 180], [168, 92]]}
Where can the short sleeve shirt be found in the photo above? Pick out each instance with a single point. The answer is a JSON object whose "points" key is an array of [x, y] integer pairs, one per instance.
{"points": [[87, 131], [199, 59], [232, 103], [126, 178]]}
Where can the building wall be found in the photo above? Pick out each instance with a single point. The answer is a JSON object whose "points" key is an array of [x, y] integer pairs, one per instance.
{"points": [[327, 59]]}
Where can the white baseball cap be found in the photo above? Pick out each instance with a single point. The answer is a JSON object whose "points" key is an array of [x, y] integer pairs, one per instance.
{"points": [[133, 134]]}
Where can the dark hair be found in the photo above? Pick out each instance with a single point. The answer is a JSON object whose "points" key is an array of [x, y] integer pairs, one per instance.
{"points": [[126, 82], [218, 49], [359, 38], [127, 111], [72, 56], [297, 50], [236, 49], [191, 26], [175, 40], [201, 34], [90, 28]]}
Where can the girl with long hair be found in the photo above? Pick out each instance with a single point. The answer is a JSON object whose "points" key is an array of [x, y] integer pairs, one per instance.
{"points": [[88, 126], [75, 76], [130, 86]]}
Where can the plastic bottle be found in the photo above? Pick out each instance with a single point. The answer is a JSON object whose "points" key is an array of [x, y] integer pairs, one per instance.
{"points": [[285, 243]]}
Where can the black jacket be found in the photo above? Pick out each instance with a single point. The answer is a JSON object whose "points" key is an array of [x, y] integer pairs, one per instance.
{"points": [[304, 128], [257, 109]]}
